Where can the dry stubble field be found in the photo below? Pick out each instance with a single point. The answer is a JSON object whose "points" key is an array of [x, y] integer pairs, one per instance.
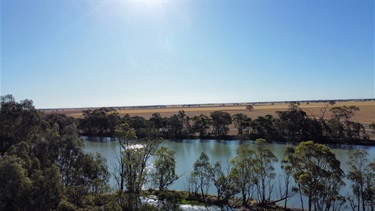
{"points": [[366, 114]]}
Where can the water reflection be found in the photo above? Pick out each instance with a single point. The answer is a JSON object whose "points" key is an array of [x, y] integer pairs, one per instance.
{"points": [[188, 150]]}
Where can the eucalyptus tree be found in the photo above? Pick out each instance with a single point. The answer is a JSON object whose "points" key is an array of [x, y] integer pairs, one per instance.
{"points": [[263, 125], [157, 120], [220, 122], [242, 123], [264, 171], [201, 124], [15, 184], [317, 174], [99, 121], [293, 120], [178, 125], [202, 174], [341, 119], [134, 155], [165, 166], [343, 113], [242, 173], [81, 174], [19, 121], [287, 191], [224, 185], [362, 174], [45, 162], [220, 180]]}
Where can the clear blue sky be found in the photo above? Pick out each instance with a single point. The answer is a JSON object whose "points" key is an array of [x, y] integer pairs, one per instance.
{"points": [[81, 53]]}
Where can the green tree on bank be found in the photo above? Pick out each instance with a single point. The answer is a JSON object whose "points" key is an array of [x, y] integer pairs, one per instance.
{"points": [[133, 158], [317, 174], [202, 175], [42, 163], [362, 174], [165, 166]]}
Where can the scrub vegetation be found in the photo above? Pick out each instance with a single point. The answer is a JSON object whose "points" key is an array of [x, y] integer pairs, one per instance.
{"points": [[292, 124]]}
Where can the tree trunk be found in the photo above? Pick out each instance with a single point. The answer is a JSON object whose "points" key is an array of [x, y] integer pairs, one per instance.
{"points": [[243, 198], [286, 195], [300, 195], [203, 196]]}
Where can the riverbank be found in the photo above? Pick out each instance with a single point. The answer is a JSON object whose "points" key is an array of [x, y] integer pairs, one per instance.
{"points": [[271, 139], [313, 109], [194, 202]]}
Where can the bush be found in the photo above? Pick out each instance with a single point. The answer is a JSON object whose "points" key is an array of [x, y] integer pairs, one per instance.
{"points": [[66, 206]]}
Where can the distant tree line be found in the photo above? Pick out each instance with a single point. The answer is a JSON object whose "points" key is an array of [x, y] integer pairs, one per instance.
{"points": [[292, 124], [43, 167]]}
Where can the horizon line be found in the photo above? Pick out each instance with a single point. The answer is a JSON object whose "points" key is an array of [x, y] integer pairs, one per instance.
{"points": [[206, 104]]}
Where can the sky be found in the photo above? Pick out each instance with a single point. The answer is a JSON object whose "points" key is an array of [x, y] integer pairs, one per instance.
{"points": [[65, 53]]}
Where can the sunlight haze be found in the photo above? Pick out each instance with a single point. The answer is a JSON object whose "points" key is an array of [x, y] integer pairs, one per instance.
{"points": [[123, 53]]}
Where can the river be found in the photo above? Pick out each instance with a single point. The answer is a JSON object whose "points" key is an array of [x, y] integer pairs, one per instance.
{"points": [[188, 151]]}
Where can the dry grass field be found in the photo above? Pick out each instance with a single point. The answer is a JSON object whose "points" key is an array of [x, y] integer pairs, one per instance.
{"points": [[366, 114]]}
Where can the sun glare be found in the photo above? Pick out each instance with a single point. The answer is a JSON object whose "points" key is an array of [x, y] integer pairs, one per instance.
{"points": [[148, 4], [144, 9]]}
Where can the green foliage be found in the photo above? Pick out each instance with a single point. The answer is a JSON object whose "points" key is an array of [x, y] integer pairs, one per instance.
{"points": [[44, 161], [178, 125], [343, 113], [242, 123], [165, 165], [99, 122], [264, 171], [18, 122], [220, 122], [66, 206], [293, 121], [242, 173], [317, 173], [112, 206], [263, 125], [201, 125], [15, 184], [341, 127], [202, 174], [133, 158], [157, 120], [224, 185], [362, 175], [43, 165], [293, 124]]}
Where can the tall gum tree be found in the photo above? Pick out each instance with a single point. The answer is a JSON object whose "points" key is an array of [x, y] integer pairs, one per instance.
{"points": [[165, 166], [317, 174], [134, 155], [362, 174], [203, 173], [242, 173], [264, 171]]}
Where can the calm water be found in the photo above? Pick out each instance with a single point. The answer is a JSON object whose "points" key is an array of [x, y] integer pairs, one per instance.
{"points": [[188, 151]]}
